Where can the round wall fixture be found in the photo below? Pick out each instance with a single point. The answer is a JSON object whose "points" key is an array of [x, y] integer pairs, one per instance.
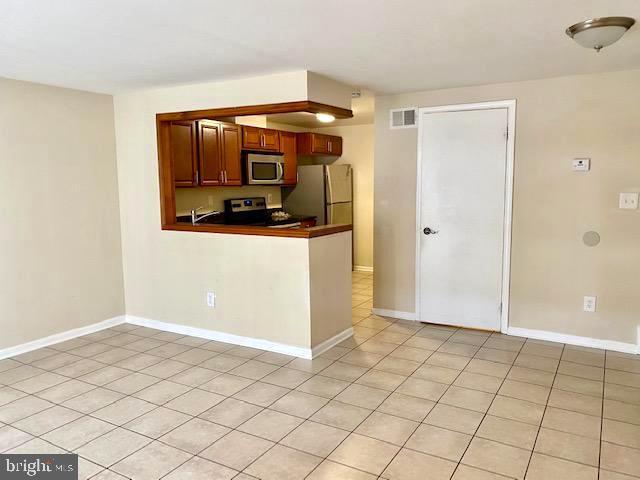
{"points": [[598, 33], [591, 239]]}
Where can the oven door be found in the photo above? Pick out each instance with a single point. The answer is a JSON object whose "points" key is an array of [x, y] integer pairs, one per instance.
{"points": [[265, 169]]}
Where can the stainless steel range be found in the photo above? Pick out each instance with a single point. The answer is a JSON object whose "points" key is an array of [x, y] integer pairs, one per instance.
{"points": [[253, 211]]}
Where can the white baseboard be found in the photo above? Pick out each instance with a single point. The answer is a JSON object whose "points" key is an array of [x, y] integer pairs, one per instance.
{"points": [[331, 342], [574, 340], [270, 346], [395, 314], [60, 337], [222, 337], [362, 268]]}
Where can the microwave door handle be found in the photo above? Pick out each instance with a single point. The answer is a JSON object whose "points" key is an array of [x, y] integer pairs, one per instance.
{"points": [[280, 171]]}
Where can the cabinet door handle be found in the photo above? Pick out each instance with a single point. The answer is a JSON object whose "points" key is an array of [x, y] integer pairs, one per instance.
{"points": [[197, 177], [330, 146], [225, 176], [261, 140]]}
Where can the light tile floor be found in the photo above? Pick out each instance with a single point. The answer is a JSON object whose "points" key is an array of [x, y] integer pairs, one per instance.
{"points": [[400, 400]]}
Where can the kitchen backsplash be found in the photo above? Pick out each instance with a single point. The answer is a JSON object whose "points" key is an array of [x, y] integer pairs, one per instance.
{"points": [[212, 198]]}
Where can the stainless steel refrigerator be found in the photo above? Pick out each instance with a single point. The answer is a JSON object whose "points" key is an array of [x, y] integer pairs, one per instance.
{"points": [[324, 191]]}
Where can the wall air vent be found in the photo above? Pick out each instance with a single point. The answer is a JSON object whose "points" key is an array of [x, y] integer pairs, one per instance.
{"points": [[403, 118]]}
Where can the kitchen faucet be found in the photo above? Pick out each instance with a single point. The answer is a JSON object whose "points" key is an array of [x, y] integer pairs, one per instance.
{"points": [[195, 218]]}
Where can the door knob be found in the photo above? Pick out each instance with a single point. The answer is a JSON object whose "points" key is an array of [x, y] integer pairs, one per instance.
{"points": [[428, 231]]}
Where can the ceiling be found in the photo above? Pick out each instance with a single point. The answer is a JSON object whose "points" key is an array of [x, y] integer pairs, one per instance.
{"points": [[387, 47]]}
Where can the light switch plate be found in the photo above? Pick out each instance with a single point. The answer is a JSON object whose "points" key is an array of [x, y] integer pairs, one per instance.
{"points": [[211, 299], [581, 164], [629, 201]]}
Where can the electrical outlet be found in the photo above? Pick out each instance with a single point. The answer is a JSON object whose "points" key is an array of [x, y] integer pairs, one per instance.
{"points": [[269, 198], [589, 304], [629, 201], [211, 299], [210, 200]]}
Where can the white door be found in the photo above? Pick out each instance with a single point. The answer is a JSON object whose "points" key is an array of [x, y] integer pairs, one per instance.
{"points": [[463, 166]]}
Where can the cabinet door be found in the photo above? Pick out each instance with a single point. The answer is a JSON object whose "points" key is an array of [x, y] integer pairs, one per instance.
{"points": [[335, 145], [211, 161], [184, 156], [319, 143], [231, 154], [288, 147], [270, 140], [251, 138]]}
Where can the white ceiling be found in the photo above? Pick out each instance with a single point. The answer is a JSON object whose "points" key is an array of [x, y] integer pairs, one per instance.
{"points": [[382, 45]]}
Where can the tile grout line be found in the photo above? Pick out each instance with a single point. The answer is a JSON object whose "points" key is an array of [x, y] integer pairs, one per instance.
{"points": [[544, 412], [602, 416], [485, 414]]}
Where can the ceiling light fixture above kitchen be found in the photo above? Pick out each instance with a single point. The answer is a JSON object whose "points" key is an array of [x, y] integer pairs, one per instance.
{"points": [[598, 33], [325, 117]]}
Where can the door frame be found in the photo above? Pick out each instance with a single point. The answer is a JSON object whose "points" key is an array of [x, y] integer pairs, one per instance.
{"points": [[510, 105]]}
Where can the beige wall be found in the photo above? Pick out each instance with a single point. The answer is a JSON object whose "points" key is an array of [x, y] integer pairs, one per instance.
{"points": [[357, 150], [326, 90], [558, 119], [61, 258], [330, 286], [261, 283]]}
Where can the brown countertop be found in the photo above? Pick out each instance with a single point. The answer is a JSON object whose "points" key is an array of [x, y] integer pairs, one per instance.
{"points": [[310, 232]]}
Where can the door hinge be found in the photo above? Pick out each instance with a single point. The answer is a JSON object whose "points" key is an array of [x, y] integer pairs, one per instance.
{"points": [[500, 307], [506, 133]]}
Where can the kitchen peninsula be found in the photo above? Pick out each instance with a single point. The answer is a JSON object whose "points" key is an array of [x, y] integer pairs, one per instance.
{"points": [[286, 290], [304, 232]]}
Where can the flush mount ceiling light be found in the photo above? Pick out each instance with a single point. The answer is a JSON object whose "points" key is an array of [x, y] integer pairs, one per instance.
{"points": [[598, 33], [325, 117]]}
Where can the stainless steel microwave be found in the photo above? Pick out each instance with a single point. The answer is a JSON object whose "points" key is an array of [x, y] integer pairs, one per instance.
{"points": [[263, 169]]}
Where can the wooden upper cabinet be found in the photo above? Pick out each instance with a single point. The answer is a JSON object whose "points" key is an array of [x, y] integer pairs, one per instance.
{"points": [[270, 139], [263, 139], [210, 153], [231, 154], [319, 144], [288, 147], [335, 145], [251, 138], [184, 153], [219, 159]]}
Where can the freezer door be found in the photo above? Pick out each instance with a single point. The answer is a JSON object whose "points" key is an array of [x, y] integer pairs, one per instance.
{"points": [[338, 183], [340, 213]]}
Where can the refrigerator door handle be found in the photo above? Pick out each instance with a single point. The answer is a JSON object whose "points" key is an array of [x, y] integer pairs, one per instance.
{"points": [[327, 180]]}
